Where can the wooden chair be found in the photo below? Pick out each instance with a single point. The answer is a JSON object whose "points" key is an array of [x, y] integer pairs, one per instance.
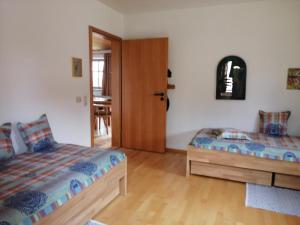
{"points": [[103, 112]]}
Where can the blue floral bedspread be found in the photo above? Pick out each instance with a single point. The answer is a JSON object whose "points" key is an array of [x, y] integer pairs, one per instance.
{"points": [[33, 185], [285, 148]]}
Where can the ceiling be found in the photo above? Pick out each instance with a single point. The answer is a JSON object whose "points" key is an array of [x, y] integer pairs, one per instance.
{"points": [[99, 43], [139, 6]]}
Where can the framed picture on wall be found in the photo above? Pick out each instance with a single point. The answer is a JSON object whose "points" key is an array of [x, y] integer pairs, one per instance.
{"points": [[293, 81], [231, 78], [76, 67]]}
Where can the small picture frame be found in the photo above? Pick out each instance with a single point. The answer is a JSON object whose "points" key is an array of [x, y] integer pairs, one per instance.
{"points": [[293, 80], [76, 67]]}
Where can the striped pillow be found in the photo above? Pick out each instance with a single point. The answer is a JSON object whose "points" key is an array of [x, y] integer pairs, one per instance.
{"points": [[274, 123], [37, 135], [6, 148]]}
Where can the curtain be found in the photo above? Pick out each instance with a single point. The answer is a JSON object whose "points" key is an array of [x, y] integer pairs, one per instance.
{"points": [[106, 81]]}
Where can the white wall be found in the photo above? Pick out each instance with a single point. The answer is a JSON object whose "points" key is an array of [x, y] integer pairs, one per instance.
{"points": [[37, 40], [266, 34]]}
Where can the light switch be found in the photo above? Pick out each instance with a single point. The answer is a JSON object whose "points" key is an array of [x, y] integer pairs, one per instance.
{"points": [[78, 99], [85, 101]]}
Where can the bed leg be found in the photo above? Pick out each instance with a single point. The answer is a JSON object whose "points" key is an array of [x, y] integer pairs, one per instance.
{"points": [[188, 167], [123, 182]]}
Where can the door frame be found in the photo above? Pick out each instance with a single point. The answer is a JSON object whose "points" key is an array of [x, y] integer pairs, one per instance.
{"points": [[116, 88]]}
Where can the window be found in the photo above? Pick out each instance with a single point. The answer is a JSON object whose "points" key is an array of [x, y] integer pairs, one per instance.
{"points": [[98, 66]]}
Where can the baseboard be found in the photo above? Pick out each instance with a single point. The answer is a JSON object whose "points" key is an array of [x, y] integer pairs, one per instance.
{"points": [[173, 150]]}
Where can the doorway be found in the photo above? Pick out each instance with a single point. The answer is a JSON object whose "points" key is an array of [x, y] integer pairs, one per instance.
{"points": [[105, 89]]}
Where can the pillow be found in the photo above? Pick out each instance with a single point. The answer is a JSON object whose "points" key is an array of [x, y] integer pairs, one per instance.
{"points": [[37, 135], [17, 141], [6, 148], [274, 123], [215, 132], [230, 133]]}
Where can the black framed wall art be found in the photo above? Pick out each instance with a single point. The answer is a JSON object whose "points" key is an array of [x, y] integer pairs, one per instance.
{"points": [[231, 78]]}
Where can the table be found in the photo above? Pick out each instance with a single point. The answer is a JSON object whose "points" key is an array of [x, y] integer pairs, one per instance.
{"points": [[102, 100]]}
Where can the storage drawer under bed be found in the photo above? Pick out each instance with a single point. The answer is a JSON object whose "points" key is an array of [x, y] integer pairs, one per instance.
{"points": [[231, 173], [287, 181]]}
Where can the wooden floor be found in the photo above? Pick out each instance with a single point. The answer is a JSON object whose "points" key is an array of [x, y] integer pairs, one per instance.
{"points": [[159, 193], [103, 141]]}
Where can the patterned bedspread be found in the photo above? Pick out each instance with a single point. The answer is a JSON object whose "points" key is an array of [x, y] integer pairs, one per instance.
{"points": [[277, 148], [33, 185]]}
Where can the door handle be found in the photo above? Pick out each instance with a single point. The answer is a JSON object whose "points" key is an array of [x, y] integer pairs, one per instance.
{"points": [[161, 94]]}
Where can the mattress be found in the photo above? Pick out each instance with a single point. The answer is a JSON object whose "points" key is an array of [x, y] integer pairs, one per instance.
{"points": [[285, 148], [33, 185]]}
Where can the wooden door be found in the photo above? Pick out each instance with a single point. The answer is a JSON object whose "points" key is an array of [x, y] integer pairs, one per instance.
{"points": [[144, 89], [116, 92]]}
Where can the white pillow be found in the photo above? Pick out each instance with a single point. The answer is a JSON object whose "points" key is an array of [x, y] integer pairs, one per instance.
{"points": [[231, 133], [17, 141]]}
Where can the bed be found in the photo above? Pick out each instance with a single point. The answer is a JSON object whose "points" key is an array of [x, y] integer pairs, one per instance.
{"points": [[264, 160], [67, 184]]}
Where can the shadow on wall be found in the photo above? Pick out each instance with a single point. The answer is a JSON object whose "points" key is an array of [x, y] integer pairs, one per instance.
{"points": [[180, 141]]}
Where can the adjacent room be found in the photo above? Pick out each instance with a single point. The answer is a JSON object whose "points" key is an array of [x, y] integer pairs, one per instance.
{"points": [[101, 72], [150, 112]]}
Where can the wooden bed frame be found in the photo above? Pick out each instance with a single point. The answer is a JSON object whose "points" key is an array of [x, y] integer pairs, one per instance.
{"points": [[90, 201], [242, 168]]}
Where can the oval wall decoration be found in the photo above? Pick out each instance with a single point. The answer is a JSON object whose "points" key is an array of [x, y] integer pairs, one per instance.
{"points": [[231, 78]]}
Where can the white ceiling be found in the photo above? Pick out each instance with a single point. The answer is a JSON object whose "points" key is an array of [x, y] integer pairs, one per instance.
{"points": [[139, 6]]}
